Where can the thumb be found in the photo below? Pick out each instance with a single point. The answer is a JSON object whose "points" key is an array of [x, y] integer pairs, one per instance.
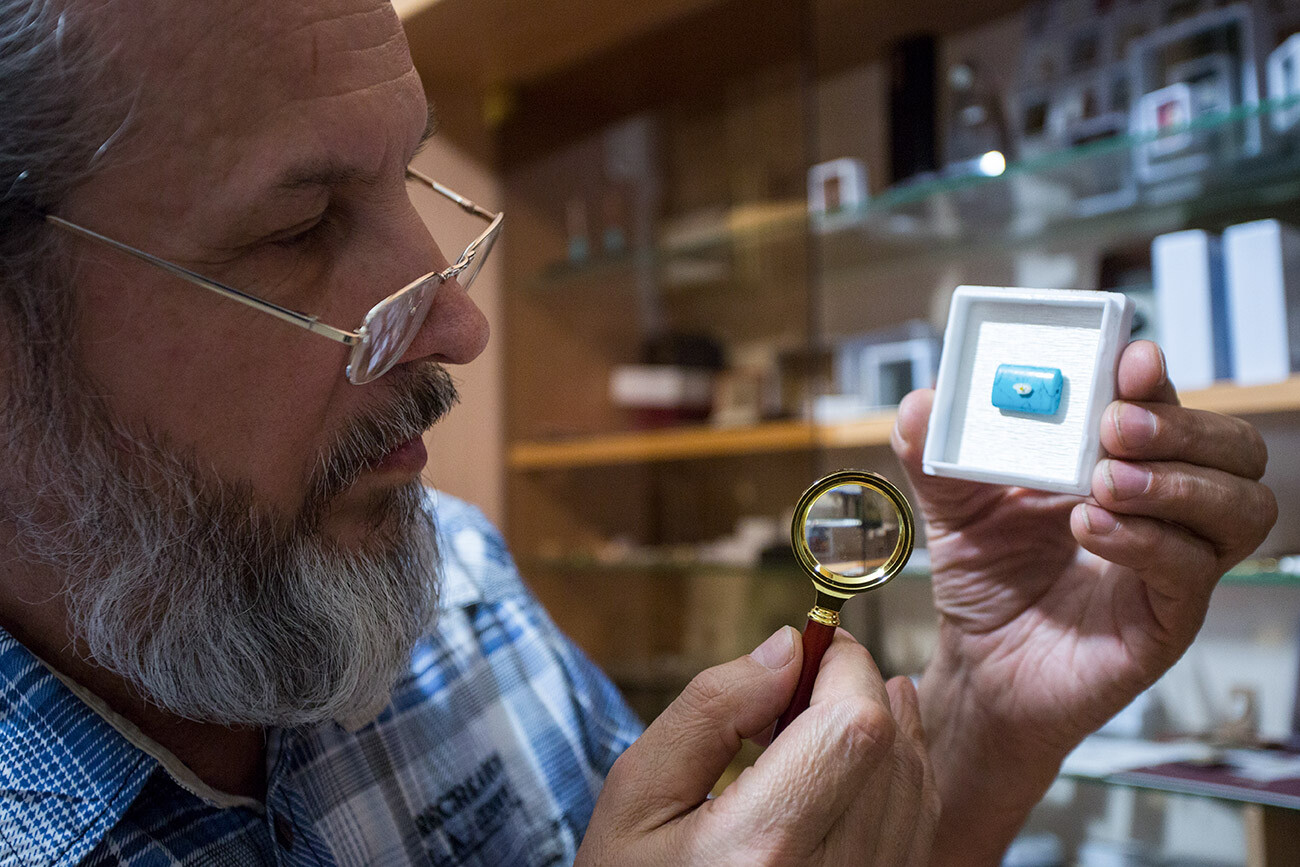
{"points": [[672, 767], [945, 502]]}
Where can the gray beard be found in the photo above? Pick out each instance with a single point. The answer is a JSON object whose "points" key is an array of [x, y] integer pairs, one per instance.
{"points": [[212, 606]]}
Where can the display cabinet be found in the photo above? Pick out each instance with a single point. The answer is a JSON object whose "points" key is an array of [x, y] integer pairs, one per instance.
{"points": [[733, 229], [677, 318]]}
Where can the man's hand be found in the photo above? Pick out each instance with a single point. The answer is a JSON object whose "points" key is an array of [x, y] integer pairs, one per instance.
{"points": [[1055, 613], [847, 783]]}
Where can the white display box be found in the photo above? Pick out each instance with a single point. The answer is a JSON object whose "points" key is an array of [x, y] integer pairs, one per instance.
{"points": [[1079, 333]]}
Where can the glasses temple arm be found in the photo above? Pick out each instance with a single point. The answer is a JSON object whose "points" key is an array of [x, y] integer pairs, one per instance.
{"points": [[293, 317], [456, 197]]}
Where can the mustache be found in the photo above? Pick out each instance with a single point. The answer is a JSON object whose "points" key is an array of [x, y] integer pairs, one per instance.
{"points": [[423, 395]]}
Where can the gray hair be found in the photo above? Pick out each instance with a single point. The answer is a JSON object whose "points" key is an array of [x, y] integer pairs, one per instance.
{"points": [[56, 122]]}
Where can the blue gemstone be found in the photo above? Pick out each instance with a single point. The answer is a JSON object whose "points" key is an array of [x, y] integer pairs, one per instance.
{"points": [[1019, 388]]}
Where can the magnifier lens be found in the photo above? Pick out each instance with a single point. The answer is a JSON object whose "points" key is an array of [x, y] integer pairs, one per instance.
{"points": [[852, 531]]}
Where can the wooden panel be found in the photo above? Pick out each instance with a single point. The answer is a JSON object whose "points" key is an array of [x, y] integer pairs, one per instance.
{"points": [[506, 41], [491, 41]]}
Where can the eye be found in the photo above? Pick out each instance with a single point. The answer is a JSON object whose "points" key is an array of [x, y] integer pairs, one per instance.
{"points": [[302, 234]]}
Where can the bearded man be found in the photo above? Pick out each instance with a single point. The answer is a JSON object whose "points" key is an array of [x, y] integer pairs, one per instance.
{"points": [[235, 630]]}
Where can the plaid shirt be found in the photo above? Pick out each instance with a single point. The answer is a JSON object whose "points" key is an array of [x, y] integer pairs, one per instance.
{"points": [[491, 752]]}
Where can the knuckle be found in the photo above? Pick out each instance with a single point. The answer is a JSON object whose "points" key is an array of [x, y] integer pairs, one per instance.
{"points": [[1267, 511], [866, 727], [623, 770], [1172, 483], [707, 694]]}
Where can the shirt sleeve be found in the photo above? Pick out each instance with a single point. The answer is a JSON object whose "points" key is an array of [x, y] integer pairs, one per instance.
{"points": [[603, 723], [607, 725]]}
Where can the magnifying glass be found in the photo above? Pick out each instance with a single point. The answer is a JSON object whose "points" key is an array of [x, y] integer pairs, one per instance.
{"points": [[852, 532]]}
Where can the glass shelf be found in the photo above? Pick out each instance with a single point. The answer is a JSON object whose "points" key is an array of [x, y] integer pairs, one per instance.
{"points": [[1251, 573], [1086, 195]]}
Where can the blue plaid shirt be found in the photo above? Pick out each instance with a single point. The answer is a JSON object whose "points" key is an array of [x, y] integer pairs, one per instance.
{"points": [[491, 752]]}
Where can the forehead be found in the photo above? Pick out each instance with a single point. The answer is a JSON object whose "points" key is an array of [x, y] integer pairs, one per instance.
{"points": [[236, 84]]}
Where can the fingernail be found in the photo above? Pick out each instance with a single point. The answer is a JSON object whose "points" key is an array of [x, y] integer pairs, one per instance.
{"points": [[1099, 521], [1135, 426], [777, 651], [1126, 480]]}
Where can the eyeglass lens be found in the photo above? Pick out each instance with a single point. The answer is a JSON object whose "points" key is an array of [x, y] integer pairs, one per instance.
{"points": [[390, 328], [466, 277]]}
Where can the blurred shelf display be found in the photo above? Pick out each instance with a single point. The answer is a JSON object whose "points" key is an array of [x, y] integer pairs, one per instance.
{"points": [[723, 268], [734, 228], [1043, 202], [689, 443]]}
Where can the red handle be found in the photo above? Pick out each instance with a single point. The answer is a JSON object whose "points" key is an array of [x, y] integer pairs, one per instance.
{"points": [[816, 638]]}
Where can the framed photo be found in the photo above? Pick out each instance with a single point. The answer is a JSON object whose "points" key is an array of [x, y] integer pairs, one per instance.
{"points": [[1284, 84], [880, 369], [1165, 114], [836, 191]]}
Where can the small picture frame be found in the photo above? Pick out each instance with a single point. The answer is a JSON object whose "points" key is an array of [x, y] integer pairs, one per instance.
{"points": [[880, 368], [991, 334], [1284, 84], [1164, 114], [837, 190]]}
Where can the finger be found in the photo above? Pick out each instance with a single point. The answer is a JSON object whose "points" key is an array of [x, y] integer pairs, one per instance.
{"points": [[891, 825], [818, 765], [676, 762], [907, 710], [1143, 374], [1233, 514], [1159, 432], [945, 502], [1168, 558]]}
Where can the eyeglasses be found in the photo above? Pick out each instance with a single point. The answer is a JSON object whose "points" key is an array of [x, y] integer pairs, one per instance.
{"points": [[390, 326]]}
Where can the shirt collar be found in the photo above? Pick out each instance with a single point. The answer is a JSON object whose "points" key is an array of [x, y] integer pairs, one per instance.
{"points": [[66, 775]]}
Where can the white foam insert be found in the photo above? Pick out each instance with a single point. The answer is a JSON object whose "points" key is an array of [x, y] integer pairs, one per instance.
{"points": [[1081, 333]]}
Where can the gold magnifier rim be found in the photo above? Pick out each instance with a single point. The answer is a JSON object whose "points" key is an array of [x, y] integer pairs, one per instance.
{"points": [[830, 582]]}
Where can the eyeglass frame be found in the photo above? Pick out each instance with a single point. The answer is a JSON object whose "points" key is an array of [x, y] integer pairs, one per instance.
{"points": [[304, 320]]}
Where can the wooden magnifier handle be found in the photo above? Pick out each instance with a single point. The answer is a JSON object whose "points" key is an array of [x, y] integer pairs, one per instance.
{"points": [[817, 637]]}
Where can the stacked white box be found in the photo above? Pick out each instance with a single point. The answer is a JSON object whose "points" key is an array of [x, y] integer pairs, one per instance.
{"points": [[1191, 304], [1263, 269]]}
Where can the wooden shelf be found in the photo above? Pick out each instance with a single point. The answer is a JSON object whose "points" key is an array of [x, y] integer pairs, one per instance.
{"points": [[687, 443], [1248, 399], [661, 445]]}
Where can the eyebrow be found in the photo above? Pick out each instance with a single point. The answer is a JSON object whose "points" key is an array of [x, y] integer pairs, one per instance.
{"points": [[331, 173]]}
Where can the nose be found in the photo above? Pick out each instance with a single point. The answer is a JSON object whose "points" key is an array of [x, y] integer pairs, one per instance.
{"points": [[454, 332]]}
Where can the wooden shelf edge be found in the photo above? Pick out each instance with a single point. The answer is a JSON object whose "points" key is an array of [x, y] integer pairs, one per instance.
{"points": [[660, 445], [687, 443], [1247, 399]]}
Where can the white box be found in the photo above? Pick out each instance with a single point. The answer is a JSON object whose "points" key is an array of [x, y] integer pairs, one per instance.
{"points": [[1191, 303], [1080, 333], [1262, 261], [661, 386]]}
